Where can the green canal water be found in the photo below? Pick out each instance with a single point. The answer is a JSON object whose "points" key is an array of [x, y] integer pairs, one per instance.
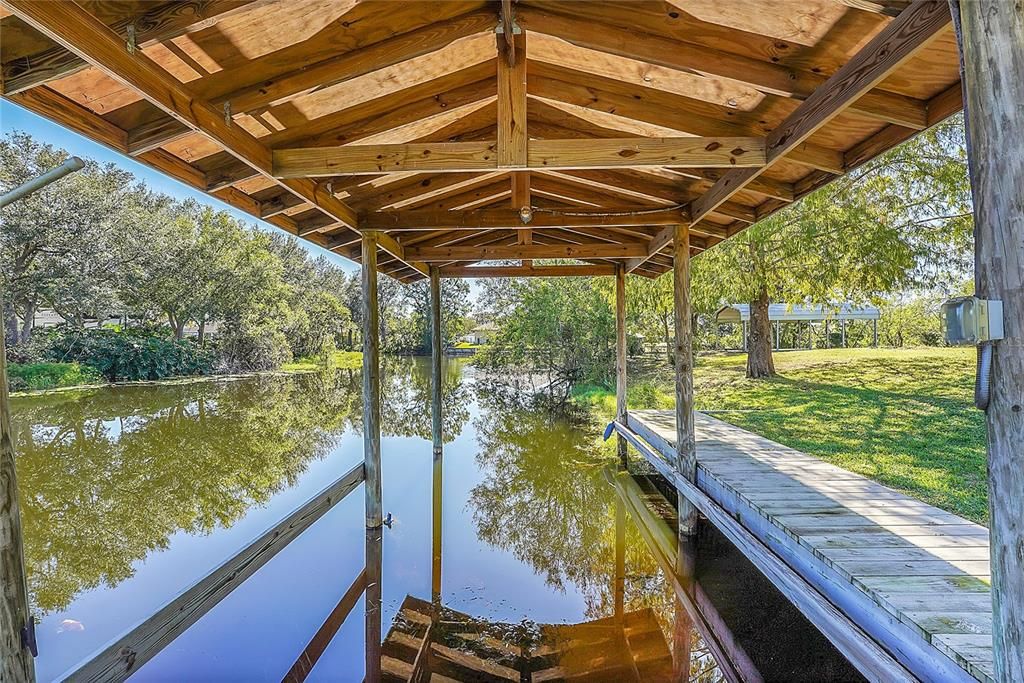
{"points": [[131, 494]]}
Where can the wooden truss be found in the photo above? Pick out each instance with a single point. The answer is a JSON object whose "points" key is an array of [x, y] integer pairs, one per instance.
{"points": [[466, 131]]}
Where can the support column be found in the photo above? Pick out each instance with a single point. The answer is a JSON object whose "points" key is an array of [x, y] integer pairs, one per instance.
{"points": [[874, 332], [619, 589], [778, 336], [437, 358], [743, 333], [828, 340], [843, 328], [686, 449], [371, 453], [620, 356], [992, 48], [16, 662]]}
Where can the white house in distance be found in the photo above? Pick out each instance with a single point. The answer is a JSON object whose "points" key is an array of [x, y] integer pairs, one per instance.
{"points": [[803, 313]]}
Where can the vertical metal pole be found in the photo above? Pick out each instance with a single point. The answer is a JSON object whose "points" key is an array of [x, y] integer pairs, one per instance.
{"points": [[778, 336], [828, 341], [620, 356], [874, 332], [743, 333], [844, 332], [371, 453], [437, 358], [686, 449], [16, 662]]}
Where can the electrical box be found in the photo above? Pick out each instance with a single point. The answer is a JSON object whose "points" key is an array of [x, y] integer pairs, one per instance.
{"points": [[970, 320]]}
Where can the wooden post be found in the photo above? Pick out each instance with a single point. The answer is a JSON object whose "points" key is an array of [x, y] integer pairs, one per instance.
{"points": [[374, 598], [686, 449], [371, 453], [619, 589], [437, 358], [15, 660], [682, 637], [371, 381], [992, 48], [620, 355], [436, 430]]}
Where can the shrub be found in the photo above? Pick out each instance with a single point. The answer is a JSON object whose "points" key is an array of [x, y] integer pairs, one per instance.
{"points": [[130, 354], [29, 376]]}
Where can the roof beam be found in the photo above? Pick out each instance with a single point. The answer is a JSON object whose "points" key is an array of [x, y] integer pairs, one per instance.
{"points": [[524, 251], [894, 45], [250, 88], [590, 270], [79, 31], [512, 138], [159, 23], [765, 76], [512, 219], [454, 157]]}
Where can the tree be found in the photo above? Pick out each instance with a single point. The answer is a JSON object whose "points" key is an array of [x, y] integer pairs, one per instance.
{"points": [[900, 221], [561, 327], [60, 245]]}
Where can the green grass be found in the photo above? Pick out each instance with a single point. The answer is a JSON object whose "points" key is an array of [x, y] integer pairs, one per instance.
{"points": [[38, 376], [339, 359], [904, 418]]}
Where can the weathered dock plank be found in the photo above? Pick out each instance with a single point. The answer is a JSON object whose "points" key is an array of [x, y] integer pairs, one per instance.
{"points": [[926, 568]]}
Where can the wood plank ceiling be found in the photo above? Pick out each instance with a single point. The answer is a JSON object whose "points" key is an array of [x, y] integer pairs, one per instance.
{"points": [[467, 131]]}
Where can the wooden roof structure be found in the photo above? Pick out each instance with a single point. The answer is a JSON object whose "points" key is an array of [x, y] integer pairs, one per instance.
{"points": [[465, 131]]}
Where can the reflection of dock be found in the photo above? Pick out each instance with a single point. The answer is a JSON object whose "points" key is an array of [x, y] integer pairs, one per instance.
{"points": [[912, 578], [425, 644], [655, 517]]}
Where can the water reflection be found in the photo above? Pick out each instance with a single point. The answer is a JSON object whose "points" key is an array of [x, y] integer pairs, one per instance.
{"points": [[516, 546]]}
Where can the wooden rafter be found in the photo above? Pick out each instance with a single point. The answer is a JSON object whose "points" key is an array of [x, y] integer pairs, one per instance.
{"points": [[763, 75], [899, 41], [158, 23], [456, 157], [508, 219]]}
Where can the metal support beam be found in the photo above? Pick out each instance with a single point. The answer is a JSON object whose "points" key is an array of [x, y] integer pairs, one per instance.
{"points": [[686, 447]]}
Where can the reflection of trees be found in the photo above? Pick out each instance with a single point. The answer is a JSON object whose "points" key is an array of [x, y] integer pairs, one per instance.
{"points": [[405, 398], [545, 499], [108, 476]]}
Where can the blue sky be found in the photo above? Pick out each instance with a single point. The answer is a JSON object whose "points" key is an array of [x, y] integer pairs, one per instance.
{"points": [[13, 117]]}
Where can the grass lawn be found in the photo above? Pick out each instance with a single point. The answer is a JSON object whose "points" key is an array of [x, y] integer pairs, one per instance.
{"points": [[903, 417], [339, 359]]}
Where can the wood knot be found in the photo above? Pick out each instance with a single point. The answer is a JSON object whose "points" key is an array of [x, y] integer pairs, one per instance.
{"points": [[628, 153], [739, 151], [712, 146]]}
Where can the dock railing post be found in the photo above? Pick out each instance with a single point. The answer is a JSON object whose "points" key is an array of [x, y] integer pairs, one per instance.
{"points": [[991, 37], [620, 357], [686, 449], [371, 453], [16, 663]]}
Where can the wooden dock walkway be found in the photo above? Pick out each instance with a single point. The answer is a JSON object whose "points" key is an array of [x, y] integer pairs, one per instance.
{"points": [[913, 577]]}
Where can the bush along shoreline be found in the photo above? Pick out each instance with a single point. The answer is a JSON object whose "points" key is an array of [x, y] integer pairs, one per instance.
{"points": [[62, 358]]}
